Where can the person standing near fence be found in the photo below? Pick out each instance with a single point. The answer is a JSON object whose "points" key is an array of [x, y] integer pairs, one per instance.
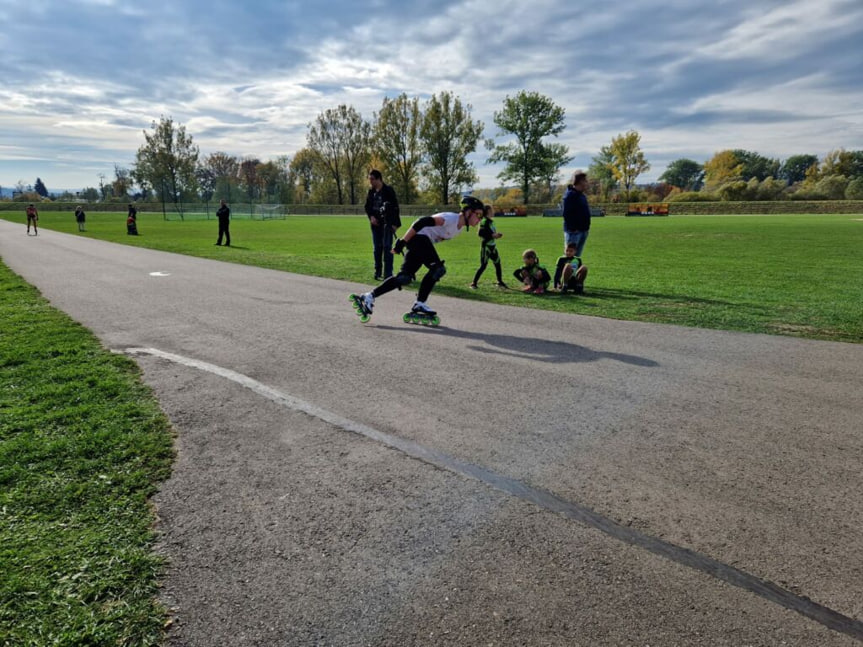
{"points": [[224, 215], [576, 213], [382, 209], [80, 217]]}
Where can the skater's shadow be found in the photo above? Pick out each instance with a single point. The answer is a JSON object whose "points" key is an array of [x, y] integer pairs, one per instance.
{"points": [[540, 350]]}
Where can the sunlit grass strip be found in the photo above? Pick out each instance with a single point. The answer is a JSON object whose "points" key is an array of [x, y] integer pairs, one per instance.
{"points": [[793, 275], [83, 444]]}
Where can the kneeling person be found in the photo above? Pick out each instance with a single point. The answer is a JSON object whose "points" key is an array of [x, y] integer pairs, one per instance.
{"points": [[533, 275], [570, 272]]}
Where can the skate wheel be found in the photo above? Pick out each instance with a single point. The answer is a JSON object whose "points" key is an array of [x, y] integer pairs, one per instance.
{"points": [[435, 320], [406, 318]]}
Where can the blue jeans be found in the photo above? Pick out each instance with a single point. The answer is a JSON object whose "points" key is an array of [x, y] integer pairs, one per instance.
{"points": [[577, 238], [382, 243]]}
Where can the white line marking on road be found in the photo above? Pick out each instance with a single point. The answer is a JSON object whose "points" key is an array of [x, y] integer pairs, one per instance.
{"points": [[542, 498], [160, 274]]}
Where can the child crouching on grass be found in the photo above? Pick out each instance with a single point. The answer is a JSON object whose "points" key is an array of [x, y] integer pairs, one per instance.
{"points": [[533, 275], [570, 272]]}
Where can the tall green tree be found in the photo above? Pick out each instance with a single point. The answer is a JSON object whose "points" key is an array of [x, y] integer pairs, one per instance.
{"points": [[794, 168], [249, 178], [721, 169], [167, 162], [555, 156], [449, 136], [396, 142], [529, 117], [842, 162], [306, 171], [755, 165], [685, 174], [627, 159], [340, 138], [357, 152], [122, 181], [600, 173], [226, 171], [206, 184], [272, 177], [40, 188], [90, 194]]}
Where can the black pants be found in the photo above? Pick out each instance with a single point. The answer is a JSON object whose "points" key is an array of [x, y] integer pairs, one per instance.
{"points": [[382, 243], [421, 251], [223, 229], [487, 254]]}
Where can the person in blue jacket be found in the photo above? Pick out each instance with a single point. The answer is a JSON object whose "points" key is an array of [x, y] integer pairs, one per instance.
{"points": [[576, 213]]}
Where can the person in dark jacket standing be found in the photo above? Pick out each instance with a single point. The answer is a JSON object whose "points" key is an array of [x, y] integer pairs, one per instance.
{"points": [[80, 217], [576, 213], [224, 214], [382, 209]]}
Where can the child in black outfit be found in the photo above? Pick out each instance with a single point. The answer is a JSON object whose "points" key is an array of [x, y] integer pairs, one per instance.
{"points": [[570, 272], [488, 250], [533, 275]]}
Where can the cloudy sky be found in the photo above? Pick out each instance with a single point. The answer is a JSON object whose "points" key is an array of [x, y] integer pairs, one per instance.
{"points": [[81, 79]]}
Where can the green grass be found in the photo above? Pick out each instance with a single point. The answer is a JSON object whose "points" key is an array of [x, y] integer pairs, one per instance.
{"points": [[82, 446], [791, 275]]}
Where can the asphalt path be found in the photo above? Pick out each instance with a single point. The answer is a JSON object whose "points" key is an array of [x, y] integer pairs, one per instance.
{"points": [[513, 477]]}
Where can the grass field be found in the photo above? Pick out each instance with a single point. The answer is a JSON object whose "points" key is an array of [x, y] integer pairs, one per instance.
{"points": [[82, 446], [790, 275]]}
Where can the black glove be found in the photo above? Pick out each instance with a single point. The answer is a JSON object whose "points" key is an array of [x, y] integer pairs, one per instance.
{"points": [[398, 248]]}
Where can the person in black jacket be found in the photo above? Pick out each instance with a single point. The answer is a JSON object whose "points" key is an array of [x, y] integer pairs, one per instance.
{"points": [[80, 217], [576, 213], [224, 214], [382, 209]]}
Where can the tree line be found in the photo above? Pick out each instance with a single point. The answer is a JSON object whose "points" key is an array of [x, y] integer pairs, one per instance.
{"points": [[424, 151]]}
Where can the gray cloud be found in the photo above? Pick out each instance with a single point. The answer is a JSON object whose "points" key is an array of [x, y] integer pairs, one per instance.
{"points": [[83, 78]]}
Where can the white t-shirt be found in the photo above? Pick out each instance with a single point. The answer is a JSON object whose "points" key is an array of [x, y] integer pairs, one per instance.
{"points": [[447, 230]]}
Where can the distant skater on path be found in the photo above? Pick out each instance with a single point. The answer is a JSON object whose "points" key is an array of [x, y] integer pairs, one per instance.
{"points": [[32, 218]]}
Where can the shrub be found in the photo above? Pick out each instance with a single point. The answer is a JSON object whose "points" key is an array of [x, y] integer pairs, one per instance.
{"points": [[832, 187], [693, 196], [734, 191], [855, 189]]}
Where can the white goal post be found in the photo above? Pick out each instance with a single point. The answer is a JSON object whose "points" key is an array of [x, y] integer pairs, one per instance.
{"points": [[268, 211]]}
